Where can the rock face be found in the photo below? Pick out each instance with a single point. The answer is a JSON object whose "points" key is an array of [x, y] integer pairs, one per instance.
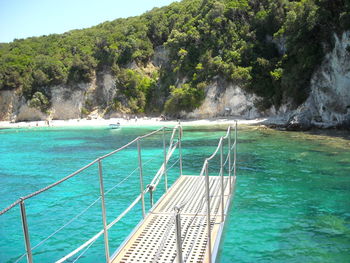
{"points": [[104, 89], [160, 57], [67, 102], [9, 102], [26, 113], [226, 100], [14, 108], [328, 104], [300, 121]]}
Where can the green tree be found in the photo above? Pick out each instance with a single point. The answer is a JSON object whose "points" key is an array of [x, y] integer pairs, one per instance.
{"points": [[39, 101], [184, 98]]}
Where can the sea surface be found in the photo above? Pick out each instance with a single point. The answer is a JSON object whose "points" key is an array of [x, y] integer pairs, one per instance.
{"points": [[292, 199]]}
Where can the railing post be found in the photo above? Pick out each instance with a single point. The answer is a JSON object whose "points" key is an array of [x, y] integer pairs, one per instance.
{"points": [[235, 151], [229, 159], [222, 180], [26, 232], [165, 162], [178, 235], [141, 178], [104, 217], [180, 148], [208, 209], [150, 188]]}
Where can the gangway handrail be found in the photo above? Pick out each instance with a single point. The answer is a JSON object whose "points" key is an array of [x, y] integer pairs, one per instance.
{"points": [[139, 197], [79, 170], [95, 237], [205, 171], [162, 171], [159, 174]]}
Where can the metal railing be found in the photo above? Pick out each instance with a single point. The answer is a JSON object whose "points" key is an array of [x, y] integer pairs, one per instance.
{"points": [[174, 144], [205, 172]]}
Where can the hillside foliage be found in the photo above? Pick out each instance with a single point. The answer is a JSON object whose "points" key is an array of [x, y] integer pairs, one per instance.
{"points": [[269, 47]]}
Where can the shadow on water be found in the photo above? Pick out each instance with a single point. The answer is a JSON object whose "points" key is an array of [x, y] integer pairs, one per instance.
{"points": [[343, 134]]}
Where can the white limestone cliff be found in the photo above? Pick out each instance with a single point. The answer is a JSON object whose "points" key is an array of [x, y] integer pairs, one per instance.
{"points": [[328, 104], [230, 100], [67, 102]]}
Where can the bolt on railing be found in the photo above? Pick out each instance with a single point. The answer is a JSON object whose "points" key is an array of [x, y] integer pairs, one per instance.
{"points": [[150, 190]]}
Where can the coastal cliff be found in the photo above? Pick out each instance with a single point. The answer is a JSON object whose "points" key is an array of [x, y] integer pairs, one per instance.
{"points": [[328, 104], [86, 99], [285, 60]]}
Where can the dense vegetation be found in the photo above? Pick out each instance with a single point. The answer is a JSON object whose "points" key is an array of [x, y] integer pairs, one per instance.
{"points": [[269, 47]]}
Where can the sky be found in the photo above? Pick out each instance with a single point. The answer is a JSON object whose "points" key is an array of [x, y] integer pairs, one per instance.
{"points": [[26, 18]]}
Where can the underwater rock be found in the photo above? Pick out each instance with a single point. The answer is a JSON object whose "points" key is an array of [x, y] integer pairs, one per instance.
{"points": [[345, 124], [300, 122]]}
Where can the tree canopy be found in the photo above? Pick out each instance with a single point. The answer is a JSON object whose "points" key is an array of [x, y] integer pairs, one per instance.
{"points": [[269, 47]]}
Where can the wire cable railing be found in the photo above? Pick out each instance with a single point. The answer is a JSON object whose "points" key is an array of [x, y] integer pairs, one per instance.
{"points": [[206, 196], [175, 143], [226, 165]]}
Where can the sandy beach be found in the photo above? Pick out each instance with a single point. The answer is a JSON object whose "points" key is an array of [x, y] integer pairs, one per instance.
{"points": [[145, 121]]}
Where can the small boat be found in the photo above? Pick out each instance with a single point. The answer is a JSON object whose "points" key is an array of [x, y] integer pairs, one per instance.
{"points": [[114, 125]]}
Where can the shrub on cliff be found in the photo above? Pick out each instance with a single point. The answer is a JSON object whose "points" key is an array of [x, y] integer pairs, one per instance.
{"points": [[39, 101], [135, 87], [184, 98]]}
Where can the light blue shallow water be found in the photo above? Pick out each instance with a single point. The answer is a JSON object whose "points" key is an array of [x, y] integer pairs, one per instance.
{"points": [[292, 201]]}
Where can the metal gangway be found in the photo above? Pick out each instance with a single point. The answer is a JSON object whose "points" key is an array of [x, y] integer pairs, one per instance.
{"points": [[184, 225]]}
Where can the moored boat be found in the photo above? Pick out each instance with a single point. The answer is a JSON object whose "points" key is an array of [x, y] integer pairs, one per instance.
{"points": [[114, 125]]}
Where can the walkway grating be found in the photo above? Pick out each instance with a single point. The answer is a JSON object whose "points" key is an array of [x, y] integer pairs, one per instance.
{"points": [[154, 239]]}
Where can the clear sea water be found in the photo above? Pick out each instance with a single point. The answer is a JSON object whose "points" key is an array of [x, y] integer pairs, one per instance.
{"points": [[292, 200]]}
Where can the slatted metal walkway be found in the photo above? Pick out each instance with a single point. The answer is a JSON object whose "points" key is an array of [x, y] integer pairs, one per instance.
{"points": [[185, 225], [154, 240]]}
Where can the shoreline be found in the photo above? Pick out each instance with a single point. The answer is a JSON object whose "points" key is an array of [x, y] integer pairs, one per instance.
{"points": [[274, 123], [128, 123]]}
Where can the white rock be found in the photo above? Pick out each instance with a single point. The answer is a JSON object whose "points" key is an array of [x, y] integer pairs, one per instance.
{"points": [[27, 113], [223, 101], [329, 99]]}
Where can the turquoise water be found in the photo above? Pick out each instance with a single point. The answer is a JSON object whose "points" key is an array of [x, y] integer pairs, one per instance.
{"points": [[292, 201]]}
